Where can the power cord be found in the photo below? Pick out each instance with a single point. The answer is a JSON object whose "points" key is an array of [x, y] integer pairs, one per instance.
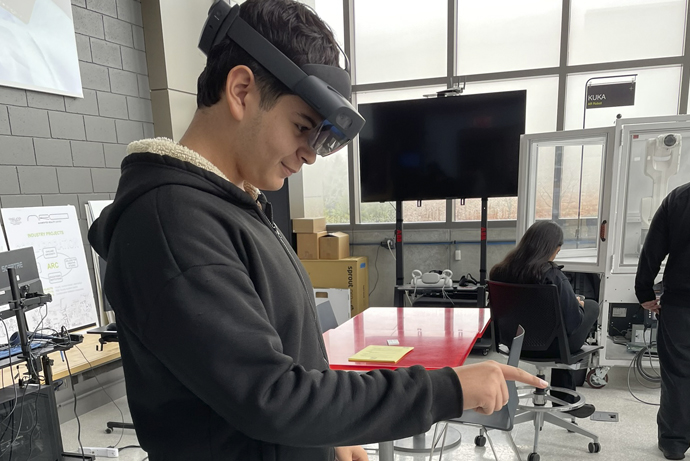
{"points": [[388, 244], [376, 268], [122, 433], [38, 392], [446, 296], [14, 386], [17, 402], [638, 369], [74, 393]]}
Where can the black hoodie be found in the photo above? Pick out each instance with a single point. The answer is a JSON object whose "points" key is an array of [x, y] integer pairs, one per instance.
{"points": [[669, 234], [221, 349]]}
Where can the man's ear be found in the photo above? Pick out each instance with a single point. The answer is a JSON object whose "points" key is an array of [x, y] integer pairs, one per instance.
{"points": [[240, 91]]}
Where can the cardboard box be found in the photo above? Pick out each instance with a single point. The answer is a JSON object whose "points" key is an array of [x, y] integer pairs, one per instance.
{"points": [[351, 273], [308, 225], [308, 245], [334, 246]]}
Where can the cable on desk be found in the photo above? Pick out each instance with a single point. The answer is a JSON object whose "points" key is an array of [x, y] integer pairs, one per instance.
{"points": [[122, 432], [446, 296], [126, 447]]}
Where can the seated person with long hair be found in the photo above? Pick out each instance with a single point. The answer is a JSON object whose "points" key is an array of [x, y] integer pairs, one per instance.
{"points": [[531, 262]]}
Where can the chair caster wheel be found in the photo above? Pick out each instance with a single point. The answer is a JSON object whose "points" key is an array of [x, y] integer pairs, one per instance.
{"points": [[480, 440], [594, 380], [485, 352], [109, 430], [533, 457], [594, 447]]}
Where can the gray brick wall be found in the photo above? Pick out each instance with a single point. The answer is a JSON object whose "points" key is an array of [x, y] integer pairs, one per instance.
{"points": [[57, 150]]}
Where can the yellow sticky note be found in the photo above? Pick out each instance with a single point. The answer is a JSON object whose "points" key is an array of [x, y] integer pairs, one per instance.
{"points": [[387, 354]]}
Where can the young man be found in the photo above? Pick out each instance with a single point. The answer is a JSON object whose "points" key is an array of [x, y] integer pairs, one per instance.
{"points": [[669, 235], [221, 348]]}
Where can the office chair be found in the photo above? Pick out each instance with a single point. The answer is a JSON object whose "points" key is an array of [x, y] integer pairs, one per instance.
{"points": [[326, 316], [502, 419], [538, 310]]}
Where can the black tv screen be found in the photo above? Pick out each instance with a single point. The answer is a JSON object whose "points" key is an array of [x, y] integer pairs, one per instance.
{"points": [[440, 148]]}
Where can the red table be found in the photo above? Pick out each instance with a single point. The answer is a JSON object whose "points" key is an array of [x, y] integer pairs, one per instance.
{"points": [[441, 337]]}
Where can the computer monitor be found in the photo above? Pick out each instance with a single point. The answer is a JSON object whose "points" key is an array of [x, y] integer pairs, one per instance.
{"points": [[23, 261]]}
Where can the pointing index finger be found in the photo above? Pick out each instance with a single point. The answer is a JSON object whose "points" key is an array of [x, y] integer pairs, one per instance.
{"points": [[516, 374]]}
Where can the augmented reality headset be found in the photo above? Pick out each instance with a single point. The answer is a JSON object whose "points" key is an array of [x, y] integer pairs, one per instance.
{"points": [[324, 88]]}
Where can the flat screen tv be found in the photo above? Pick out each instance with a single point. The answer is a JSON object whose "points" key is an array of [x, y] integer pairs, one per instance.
{"points": [[450, 147]]}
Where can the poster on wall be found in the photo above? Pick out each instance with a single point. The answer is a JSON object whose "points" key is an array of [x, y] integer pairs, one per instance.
{"points": [[3, 243], [39, 48], [54, 234]]}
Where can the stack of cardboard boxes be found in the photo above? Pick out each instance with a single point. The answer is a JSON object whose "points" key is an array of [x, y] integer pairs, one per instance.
{"points": [[326, 257]]}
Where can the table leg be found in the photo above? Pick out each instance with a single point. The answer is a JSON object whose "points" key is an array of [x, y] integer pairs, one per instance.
{"points": [[422, 443], [386, 451]]}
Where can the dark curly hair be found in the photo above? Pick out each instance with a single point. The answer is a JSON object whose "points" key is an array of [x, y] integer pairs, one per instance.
{"points": [[291, 27]]}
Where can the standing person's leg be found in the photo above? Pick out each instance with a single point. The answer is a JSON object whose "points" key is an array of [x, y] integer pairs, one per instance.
{"points": [[566, 378], [673, 345]]}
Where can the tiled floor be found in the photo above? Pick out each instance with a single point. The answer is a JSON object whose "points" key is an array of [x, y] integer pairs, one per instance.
{"points": [[632, 438]]}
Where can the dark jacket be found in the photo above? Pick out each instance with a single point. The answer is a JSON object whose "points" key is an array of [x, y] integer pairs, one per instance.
{"points": [[221, 349], [669, 234], [573, 312]]}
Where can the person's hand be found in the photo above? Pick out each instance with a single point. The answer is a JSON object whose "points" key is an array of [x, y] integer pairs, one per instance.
{"points": [[653, 306], [484, 387], [582, 303], [351, 454]]}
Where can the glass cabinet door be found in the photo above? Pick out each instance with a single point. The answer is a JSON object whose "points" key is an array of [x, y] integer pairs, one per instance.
{"points": [[562, 180], [654, 160]]}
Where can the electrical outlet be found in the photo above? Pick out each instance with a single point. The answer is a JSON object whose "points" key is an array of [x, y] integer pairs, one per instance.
{"points": [[458, 255], [388, 243]]}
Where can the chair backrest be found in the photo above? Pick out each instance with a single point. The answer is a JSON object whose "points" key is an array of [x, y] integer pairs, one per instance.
{"points": [[503, 418], [537, 308]]}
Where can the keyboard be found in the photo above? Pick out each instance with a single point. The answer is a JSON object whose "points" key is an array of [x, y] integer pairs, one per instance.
{"points": [[15, 350]]}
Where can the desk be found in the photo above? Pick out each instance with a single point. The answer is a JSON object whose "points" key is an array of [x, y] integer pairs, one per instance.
{"points": [[77, 362], [440, 336], [462, 296]]}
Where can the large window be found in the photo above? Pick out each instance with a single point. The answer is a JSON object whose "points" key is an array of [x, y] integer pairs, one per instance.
{"points": [[622, 30], [331, 11], [499, 35], [403, 49], [400, 39], [326, 188]]}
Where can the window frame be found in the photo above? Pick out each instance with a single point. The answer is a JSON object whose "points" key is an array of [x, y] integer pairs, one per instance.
{"points": [[451, 79]]}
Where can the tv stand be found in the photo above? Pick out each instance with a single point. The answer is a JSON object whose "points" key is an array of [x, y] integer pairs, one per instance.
{"points": [[483, 344]]}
